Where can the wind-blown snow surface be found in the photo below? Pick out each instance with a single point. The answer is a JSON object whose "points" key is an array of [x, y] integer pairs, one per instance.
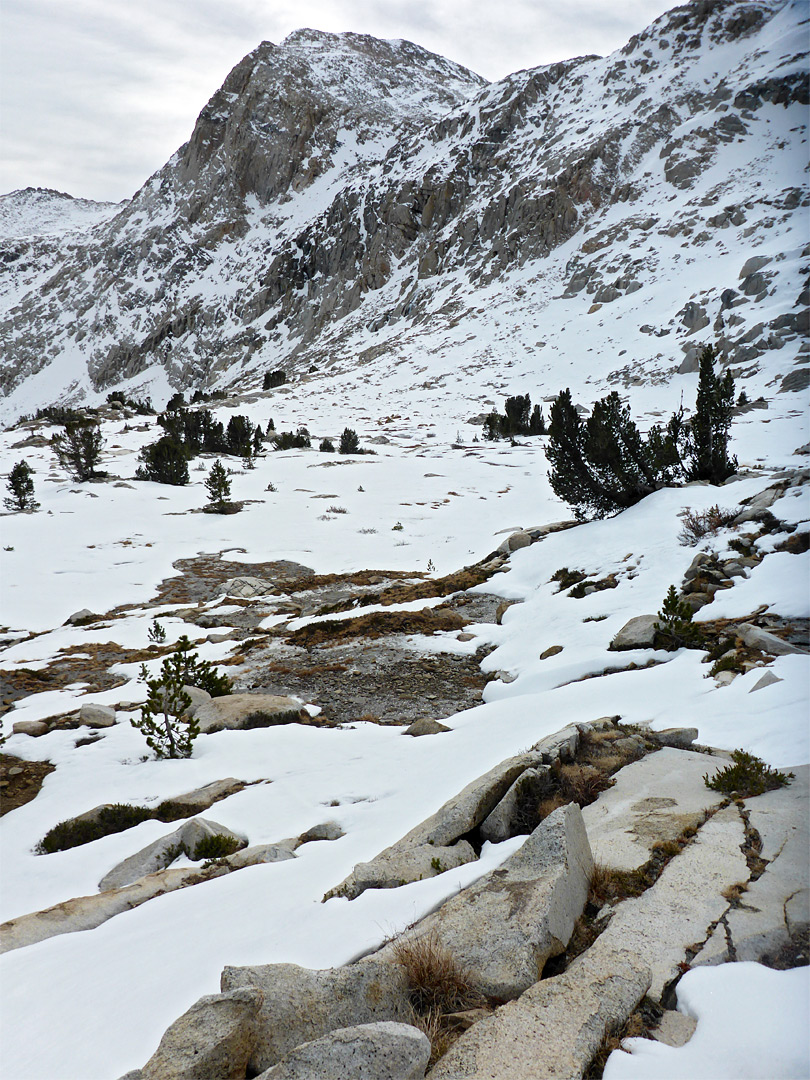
{"points": [[90, 1005]]}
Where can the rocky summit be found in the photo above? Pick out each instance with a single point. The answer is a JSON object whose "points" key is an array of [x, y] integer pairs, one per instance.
{"points": [[352, 727]]}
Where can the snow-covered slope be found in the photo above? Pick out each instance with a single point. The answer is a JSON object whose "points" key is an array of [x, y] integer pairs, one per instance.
{"points": [[35, 212], [430, 245]]}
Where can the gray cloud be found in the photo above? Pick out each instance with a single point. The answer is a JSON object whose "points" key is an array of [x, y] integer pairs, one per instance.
{"points": [[97, 94]]}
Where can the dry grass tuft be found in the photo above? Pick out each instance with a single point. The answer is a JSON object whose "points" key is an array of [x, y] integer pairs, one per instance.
{"points": [[437, 982], [438, 986]]}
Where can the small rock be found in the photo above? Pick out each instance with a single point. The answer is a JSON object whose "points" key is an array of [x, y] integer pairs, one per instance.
{"points": [[502, 608], [680, 738], [195, 802], [79, 617], [34, 728], [768, 679], [726, 678], [96, 716], [162, 852], [223, 635], [392, 869], [638, 633], [755, 263], [245, 587], [755, 638], [552, 650], [234, 711], [674, 1028], [464, 636], [16, 771], [518, 540], [426, 726], [198, 697], [329, 830], [214, 1038], [381, 1051]]}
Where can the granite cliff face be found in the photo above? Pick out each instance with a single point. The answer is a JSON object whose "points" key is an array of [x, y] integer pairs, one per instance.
{"points": [[342, 197]]}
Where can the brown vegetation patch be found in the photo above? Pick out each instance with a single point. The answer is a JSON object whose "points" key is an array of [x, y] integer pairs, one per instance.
{"points": [[199, 577], [377, 624], [460, 581], [439, 989], [20, 781]]}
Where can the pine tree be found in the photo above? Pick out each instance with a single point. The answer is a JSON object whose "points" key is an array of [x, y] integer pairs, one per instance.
{"points": [[537, 422], [570, 476], [674, 628], [78, 449], [219, 487], [349, 442], [707, 442], [239, 434], [517, 410], [161, 721], [164, 461], [20, 488]]}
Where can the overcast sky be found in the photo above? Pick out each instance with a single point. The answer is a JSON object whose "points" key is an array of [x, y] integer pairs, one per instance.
{"points": [[97, 94]]}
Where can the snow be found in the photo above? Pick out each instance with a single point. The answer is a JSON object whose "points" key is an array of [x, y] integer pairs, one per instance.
{"points": [[752, 1024], [91, 1005]]}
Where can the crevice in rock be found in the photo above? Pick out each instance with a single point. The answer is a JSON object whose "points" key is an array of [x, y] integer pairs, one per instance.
{"points": [[610, 887], [752, 846]]}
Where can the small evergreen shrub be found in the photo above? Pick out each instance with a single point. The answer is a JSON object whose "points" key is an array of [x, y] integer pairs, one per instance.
{"points": [[349, 442], [162, 715], [219, 488], [164, 462], [327, 446], [163, 721], [156, 632], [118, 397], [289, 440], [725, 663], [215, 847], [675, 628], [73, 833], [20, 488], [518, 418], [747, 776], [566, 578], [78, 449], [273, 378]]}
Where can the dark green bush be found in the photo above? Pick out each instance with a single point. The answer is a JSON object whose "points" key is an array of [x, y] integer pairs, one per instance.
{"points": [[78, 449], [164, 461], [674, 628], [273, 378], [518, 418], [349, 442], [289, 440], [215, 847], [73, 833], [726, 663], [749, 775]]}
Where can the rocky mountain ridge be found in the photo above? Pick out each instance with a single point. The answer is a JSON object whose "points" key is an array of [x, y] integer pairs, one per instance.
{"points": [[342, 197]]}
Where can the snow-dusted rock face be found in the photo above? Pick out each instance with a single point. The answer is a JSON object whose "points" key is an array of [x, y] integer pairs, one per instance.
{"points": [[339, 194]]}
